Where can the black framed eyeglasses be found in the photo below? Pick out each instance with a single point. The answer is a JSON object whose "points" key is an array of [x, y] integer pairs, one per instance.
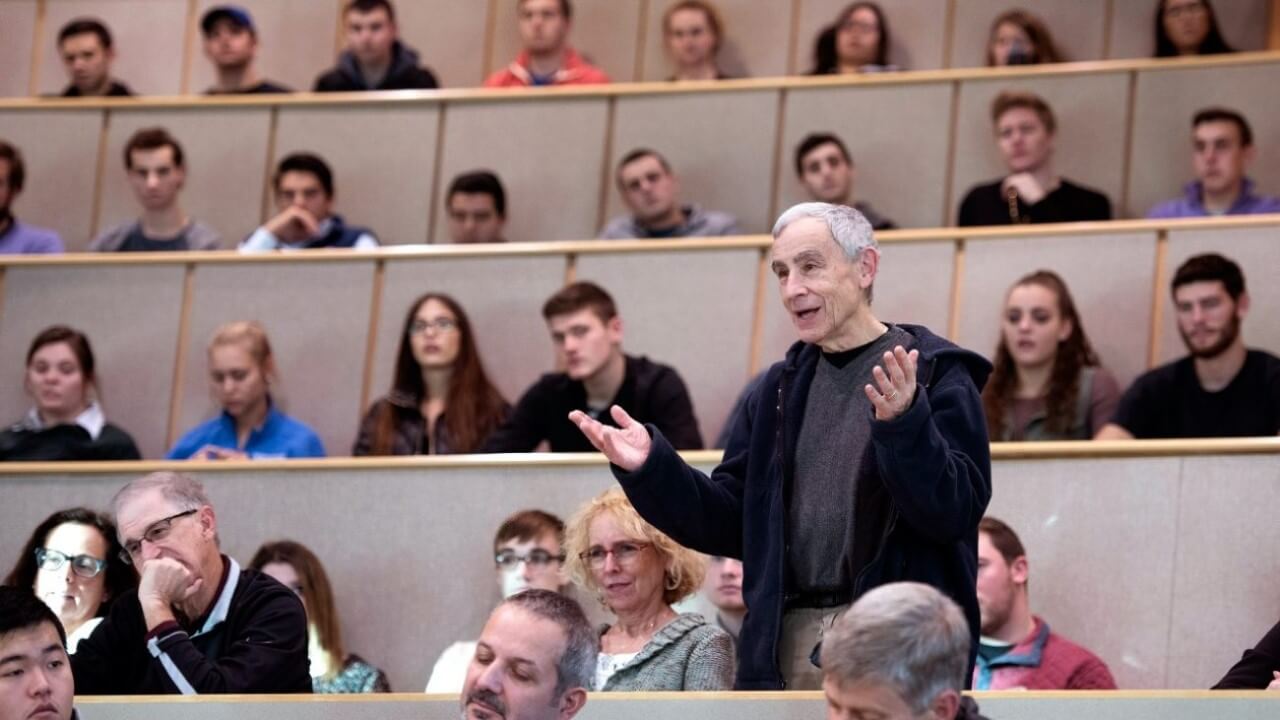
{"points": [[624, 553], [86, 566], [537, 557], [154, 533]]}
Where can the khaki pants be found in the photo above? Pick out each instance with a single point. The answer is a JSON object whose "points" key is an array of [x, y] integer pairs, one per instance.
{"points": [[802, 630]]}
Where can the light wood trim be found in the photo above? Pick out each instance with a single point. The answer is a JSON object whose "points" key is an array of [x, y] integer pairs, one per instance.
{"points": [[1126, 160], [1157, 299], [1, 293], [948, 178], [642, 37], [189, 34], [1108, 27], [269, 167], [490, 39], [99, 178], [570, 269], [606, 164], [37, 48], [437, 193], [756, 350], [339, 34], [371, 339], [793, 37], [776, 171], [948, 33], [1273, 37], [180, 356], [957, 289]]}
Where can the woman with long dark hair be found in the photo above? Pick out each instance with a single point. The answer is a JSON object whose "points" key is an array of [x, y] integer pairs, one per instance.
{"points": [[1188, 27], [441, 400], [1019, 38], [858, 41]]}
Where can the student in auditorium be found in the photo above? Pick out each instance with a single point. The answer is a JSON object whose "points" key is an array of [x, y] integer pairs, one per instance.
{"points": [[1259, 668], [375, 58], [441, 400], [1020, 38], [825, 169], [231, 44], [305, 219], [87, 51], [651, 191], [1221, 153], [157, 172], [528, 554], [1222, 389], [66, 421], [1188, 27], [638, 573], [587, 333], [476, 205], [35, 674], [857, 42], [722, 587], [692, 33], [546, 58], [241, 371], [19, 238], [333, 670], [1047, 383], [1032, 192], [72, 562]]}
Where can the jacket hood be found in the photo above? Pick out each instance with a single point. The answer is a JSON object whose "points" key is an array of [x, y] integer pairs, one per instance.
{"points": [[933, 349]]}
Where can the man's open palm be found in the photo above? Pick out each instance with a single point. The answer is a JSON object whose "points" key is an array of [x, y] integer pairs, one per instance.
{"points": [[626, 446]]}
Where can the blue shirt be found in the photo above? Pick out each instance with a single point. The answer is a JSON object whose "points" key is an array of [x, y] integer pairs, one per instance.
{"points": [[1191, 204], [20, 238], [279, 436]]}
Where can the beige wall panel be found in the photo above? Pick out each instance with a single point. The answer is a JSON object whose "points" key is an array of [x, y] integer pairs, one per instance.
{"points": [[718, 144], [1077, 27], [1089, 147], [1255, 250], [293, 42], [689, 310], [916, 29], [897, 136], [18, 18], [754, 42], [605, 32], [131, 317], [449, 37], [60, 150], [148, 54], [382, 161], [1119, 338], [503, 298], [1243, 24], [1100, 538], [549, 154], [1161, 152], [224, 178], [317, 318]]}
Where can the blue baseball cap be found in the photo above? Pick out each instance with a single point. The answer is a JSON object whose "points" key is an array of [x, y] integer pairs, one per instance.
{"points": [[234, 13]]}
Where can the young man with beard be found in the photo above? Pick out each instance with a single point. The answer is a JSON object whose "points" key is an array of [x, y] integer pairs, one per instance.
{"points": [[1222, 389]]}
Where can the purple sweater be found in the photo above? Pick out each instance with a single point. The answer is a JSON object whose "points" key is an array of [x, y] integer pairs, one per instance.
{"points": [[21, 238], [1191, 204]]}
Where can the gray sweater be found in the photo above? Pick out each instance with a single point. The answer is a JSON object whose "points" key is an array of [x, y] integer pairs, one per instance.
{"points": [[686, 654]]}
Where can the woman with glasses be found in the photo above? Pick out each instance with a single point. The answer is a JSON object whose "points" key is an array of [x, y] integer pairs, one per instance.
{"points": [[441, 400], [333, 670], [857, 42], [637, 572], [72, 562], [1188, 27]]}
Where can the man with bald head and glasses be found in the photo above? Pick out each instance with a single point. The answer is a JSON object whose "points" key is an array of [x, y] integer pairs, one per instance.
{"points": [[198, 623]]}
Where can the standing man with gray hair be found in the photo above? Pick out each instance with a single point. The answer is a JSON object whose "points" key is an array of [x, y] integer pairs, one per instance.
{"points": [[861, 459], [197, 623]]}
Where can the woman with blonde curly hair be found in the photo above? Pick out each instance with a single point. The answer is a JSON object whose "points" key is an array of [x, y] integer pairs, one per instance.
{"points": [[637, 572]]}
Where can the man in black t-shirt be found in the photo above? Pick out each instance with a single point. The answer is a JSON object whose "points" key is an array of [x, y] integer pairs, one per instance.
{"points": [[231, 43], [1222, 389]]}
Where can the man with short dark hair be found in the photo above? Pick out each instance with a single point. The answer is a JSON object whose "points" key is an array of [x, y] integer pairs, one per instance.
{"points": [[587, 333], [304, 197], [477, 208], [35, 672], [652, 193], [546, 57], [1222, 389], [16, 237], [722, 587], [375, 58], [87, 51], [1221, 153], [825, 169], [157, 172], [231, 43]]}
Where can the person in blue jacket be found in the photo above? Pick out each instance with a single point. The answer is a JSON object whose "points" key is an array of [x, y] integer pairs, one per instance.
{"points": [[241, 369], [861, 459]]}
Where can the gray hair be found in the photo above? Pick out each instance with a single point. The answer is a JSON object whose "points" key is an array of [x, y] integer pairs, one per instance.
{"points": [[849, 228], [577, 666], [905, 635], [178, 488]]}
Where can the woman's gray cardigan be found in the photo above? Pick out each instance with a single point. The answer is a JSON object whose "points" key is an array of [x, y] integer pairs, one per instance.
{"points": [[686, 654]]}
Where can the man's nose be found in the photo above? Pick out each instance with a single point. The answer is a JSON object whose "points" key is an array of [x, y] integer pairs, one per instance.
{"points": [[40, 685]]}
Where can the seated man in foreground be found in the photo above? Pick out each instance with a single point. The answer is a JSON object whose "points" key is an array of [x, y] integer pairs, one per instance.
{"points": [[35, 674]]}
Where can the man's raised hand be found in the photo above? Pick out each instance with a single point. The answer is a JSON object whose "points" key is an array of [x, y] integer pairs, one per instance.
{"points": [[626, 446]]}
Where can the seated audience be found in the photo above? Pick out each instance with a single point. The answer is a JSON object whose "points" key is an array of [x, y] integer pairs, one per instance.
{"points": [[87, 50], [198, 623], [1221, 153], [1017, 650], [1222, 389], [692, 33], [1259, 669], [857, 42], [35, 674], [900, 651], [1020, 38], [477, 207], [375, 58], [638, 572], [587, 333], [1032, 192], [534, 660], [72, 562], [17, 237], [241, 370], [1047, 383], [546, 57], [1188, 27], [652, 194], [825, 169], [67, 421], [231, 43], [528, 554], [723, 588], [304, 198], [441, 400], [332, 669]]}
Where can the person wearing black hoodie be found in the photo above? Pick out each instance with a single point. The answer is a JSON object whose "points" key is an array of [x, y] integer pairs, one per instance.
{"points": [[375, 59], [861, 459]]}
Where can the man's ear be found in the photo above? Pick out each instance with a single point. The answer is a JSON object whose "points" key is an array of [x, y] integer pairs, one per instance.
{"points": [[945, 705], [572, 702]]}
